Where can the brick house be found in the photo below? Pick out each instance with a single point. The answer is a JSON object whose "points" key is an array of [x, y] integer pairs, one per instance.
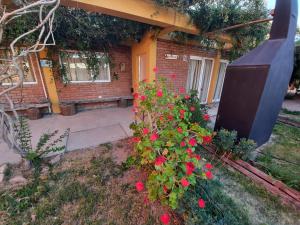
{"points": [[195, 68]]}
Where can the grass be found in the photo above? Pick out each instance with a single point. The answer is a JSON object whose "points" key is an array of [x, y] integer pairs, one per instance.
{"points": [[286, 111], [89, 188], [282, 159], [80, 191]]}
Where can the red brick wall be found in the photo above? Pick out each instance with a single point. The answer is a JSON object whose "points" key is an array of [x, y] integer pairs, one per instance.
{"points": [[178, 67], [29, 93], [92, 90]]}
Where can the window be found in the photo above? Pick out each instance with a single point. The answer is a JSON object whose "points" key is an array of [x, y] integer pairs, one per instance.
{"points": [[77, 69], [7, 67], [199, 76], [220, 81]]}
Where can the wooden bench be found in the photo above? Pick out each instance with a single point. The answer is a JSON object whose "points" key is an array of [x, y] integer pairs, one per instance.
{"points": [[122, 100], [23, 106]]}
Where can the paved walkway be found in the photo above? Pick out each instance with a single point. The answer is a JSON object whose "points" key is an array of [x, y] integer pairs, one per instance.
{"points": [[91, 128], [87, 129], [292, 105]]}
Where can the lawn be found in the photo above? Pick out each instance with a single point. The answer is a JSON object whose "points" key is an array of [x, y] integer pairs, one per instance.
{"points": [[94, 186], [281, 158]]}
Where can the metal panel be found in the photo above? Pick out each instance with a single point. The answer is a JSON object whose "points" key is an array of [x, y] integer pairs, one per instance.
{"points": [[255, 84]]}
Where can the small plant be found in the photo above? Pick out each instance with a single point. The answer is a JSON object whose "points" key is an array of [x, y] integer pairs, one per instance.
{"points": [[244, 148], [166, 138], [48, 143], [225, 140]]}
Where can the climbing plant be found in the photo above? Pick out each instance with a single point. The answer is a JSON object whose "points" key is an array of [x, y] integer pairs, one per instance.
{"points": [[84, 31], [215, 15]]}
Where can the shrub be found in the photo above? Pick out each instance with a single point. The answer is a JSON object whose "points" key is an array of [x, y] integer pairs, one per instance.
{"points": [[198, 110], [48, 143], [165, 140], [244, 148], [225, 140]]}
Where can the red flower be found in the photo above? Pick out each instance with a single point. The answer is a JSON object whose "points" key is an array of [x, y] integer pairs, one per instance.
{"points": [[189, 151], [208, 166], [145, 131], [134, 109], [206, 117], [143, 98], [181, 90], [170, 117], [184, 182], [139, 186], [159, 93], [181, 116], [135, 95], [182, 144], [160, 160], [136, 139], [189, 166], [155, 69], [161, 118], [187, 97], [165, 218], [198, 157], [181, 111], [165, 189], [201, 203], [192, 108], [209, 175], [154, 137], [207, 139], [179, 129], [193, 142]]}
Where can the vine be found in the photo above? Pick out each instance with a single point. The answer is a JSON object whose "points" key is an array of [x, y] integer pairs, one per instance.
{"points": [[212, 16]]}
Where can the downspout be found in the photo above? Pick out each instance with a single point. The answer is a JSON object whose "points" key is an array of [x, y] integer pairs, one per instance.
{"points": [[43, 84]]}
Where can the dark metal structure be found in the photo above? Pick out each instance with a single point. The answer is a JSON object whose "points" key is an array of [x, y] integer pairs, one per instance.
{"points": [[255, 84]]}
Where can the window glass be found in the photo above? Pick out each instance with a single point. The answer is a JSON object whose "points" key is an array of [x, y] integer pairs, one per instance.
{"points": [[220, 81], [7, 68], [77, 69]]}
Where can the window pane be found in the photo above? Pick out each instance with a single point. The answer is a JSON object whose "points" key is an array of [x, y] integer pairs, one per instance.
{"points": [[78, 71], [205, 80], [194, 74], [7, 68], [220, 81]]}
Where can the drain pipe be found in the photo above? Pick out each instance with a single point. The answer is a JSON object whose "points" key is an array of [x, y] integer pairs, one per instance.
{"points": [[42, 80]]}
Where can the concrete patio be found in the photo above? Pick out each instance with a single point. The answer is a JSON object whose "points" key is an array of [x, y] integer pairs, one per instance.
{"points": [[92, 128], [87, 129]]}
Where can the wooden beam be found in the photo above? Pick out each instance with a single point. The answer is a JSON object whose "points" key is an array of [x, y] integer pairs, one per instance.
{"points": [[142, 11]]}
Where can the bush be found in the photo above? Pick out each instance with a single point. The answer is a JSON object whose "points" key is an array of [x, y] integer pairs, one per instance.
{"points": [[198, 110], [244, 148], [48, 143], [165, 139], [225, 140]]}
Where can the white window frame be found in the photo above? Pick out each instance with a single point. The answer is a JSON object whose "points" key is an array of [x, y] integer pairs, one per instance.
{"points": [[201, 77], [32, 71], [227, 63], [88, 81]]}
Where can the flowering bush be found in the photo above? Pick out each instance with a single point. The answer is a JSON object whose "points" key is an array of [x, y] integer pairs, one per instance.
{"points": [[165, 142]]}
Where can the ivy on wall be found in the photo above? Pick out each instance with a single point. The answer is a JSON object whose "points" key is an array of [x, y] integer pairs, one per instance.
{"points": [[88, 32], [215, 15], [80, 30]]}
